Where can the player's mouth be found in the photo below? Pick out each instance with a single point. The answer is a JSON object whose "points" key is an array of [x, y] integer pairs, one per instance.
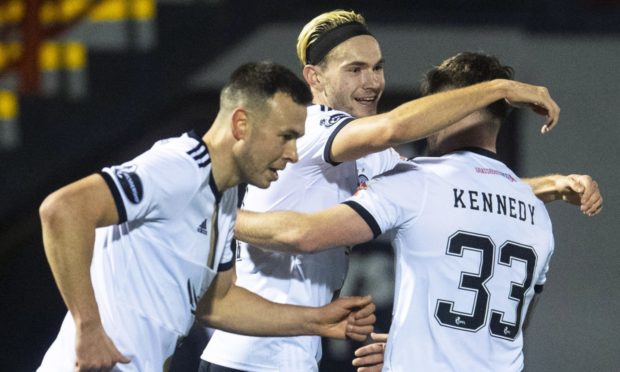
{"points": [[274, 173], [370, 100]]}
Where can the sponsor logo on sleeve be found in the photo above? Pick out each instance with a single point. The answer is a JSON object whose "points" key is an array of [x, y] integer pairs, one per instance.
{"points": [[333, 120], [130, 183]]}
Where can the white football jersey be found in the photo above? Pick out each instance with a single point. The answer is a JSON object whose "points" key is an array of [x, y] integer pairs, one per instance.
{"points": [[472, 245], [167, 248], [313, 183]]}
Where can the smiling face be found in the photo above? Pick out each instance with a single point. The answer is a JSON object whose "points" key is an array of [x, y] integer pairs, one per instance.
{"points": [[270, 141], [351, 77]]}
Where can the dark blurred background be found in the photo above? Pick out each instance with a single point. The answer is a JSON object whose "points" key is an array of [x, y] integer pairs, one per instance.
{"points": [[87, 83]]}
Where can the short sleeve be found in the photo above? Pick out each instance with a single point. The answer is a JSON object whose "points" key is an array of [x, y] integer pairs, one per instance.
{"points": [[372, 165], [154, 185], [542, 278], [391, 200]]}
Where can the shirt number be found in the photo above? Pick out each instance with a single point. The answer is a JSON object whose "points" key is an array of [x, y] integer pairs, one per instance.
{"points": [[476, 282]]}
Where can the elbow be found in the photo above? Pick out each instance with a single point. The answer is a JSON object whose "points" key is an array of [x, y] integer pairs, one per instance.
{"points": [[304, 242], [51, 210]]}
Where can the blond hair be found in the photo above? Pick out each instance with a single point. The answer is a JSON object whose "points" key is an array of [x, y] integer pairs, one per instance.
{"points": [[321, 24]]}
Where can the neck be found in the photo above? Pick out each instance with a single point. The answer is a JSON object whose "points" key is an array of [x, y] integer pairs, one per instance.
{"points": [[477, 129], [222, 163], [449, 145]]}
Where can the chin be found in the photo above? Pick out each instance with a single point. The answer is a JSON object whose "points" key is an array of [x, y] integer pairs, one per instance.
{"points": [[262, 185], [365, 111]]}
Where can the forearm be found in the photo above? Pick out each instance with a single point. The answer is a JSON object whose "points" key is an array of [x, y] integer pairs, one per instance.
{"points": [[241, 311], [545, 187], [266, 230], [424, 116], [293, 232]]}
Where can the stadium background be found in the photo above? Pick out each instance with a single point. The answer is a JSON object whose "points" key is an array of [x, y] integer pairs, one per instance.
{"points": [[89, 83]]}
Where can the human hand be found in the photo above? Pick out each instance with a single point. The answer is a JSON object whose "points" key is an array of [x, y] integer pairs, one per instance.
{"points": [[369, 358], [581, 190], [348, 317], [536, 98], [95, 351]]}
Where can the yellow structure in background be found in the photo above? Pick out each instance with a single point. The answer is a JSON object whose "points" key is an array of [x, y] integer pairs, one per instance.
{"points": [[13, 11], [9, 52], [8, 105], [104, 11], [55, 56], [62, 60]]}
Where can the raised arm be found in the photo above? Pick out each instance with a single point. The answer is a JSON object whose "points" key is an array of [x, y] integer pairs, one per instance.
{"points": [[231, 308], [288, 231], [421, 117], [69, 217], [577, 189]]}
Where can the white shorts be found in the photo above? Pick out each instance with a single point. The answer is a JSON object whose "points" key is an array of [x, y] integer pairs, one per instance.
{"points": [[146, 344]]}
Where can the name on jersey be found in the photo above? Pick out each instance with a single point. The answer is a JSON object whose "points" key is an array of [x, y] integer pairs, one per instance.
{"points": [[493, 203]]}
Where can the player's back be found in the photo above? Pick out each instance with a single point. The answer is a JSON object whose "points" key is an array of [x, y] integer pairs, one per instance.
{"points": [[467, 264]]}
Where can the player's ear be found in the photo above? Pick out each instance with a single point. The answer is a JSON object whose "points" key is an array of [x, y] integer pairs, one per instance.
{"points": [[239, 123], [312, 75]]}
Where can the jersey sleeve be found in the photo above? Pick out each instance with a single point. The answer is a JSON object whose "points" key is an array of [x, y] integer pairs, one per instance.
{"points": [[372, 165], [391, 200], [154, 185], [322, 126], [542, 278]]}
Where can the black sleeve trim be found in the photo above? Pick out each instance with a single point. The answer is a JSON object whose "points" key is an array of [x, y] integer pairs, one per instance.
{"points": [[370, 220], [328, 146], [538, 288], [226, 266], [118, 199]]}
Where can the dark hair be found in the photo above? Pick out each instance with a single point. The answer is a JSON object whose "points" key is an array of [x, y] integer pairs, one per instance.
{"points": [[468, 68], [259, 81]]}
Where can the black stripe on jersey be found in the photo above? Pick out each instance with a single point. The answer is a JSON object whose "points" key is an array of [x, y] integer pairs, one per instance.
{"points": [[328, 146], [228, 265], [479, 151], [118, 199], [199, 155], [538, 288], [216, 192], [368, 218], [204, 163], [200, 151]]}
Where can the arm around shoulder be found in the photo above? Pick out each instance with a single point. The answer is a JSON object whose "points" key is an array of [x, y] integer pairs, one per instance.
{"points": [[424, 116], [576, 189], [294, 232]]}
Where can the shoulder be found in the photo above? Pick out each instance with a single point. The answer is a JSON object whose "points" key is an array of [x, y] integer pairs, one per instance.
{"points": [[323, 117], [404, 175], [180, 163], [187, 148]]}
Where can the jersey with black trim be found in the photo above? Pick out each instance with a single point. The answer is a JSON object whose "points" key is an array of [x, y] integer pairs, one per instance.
{"points": [[472, 245], [313, 183], [158, 261]]}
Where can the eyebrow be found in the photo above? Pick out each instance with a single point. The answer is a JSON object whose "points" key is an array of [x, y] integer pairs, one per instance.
{"points": [[360, 63]]}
